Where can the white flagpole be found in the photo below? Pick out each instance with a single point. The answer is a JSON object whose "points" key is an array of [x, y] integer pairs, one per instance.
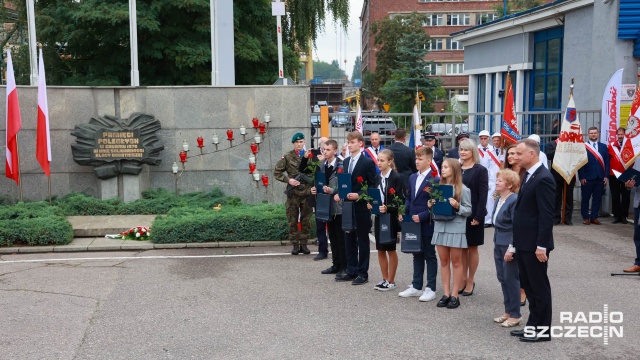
{"points": [[215, 79], [133, 40], [33, 58]]}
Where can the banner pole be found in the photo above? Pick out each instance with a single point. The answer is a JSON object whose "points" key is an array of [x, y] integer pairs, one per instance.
{"points": [[564, 202], [49, 181]]}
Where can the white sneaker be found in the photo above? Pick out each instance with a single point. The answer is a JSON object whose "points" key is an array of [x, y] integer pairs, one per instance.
{"points": [[387, 286], [427, 295], [380, 284], [410, 292]]}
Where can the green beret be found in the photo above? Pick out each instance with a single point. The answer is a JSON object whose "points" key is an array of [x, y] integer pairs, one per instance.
{"points": [[296, 137]]}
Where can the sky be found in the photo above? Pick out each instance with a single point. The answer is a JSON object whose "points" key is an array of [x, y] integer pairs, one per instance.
{"points": [[335, 44]]}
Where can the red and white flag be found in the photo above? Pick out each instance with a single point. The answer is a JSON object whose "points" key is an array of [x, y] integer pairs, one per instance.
{"points": [[571, 153], [509, 124], [43, 141], [610, 119], [359, 119], [631, 144], [14, 124]]}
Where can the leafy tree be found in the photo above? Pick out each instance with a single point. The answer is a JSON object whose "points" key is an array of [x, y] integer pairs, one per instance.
{"points": [[306, 19], [357, 69], [324, 70], [409, 74], [515, 6]]}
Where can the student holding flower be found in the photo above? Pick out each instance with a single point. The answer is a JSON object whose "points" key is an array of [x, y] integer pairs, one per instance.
{"points": [[391, 187]]}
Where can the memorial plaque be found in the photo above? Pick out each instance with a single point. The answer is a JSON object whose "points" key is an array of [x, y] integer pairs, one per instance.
{"points": [[116, 146]]}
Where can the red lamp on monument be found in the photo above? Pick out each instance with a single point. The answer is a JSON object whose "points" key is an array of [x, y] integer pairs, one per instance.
{"points": [[255, 122], [254, 148], [183, 158], [265, 180], [200, 141], [230, 137], [263, 128], [252, 168]]}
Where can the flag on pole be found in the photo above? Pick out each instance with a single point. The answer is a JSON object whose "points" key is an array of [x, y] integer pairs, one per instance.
{"points": [[571, 153], [43, 141], [416, 136], [509, 126], [610, 119], [359, 119], [14, 124], [631, 143]]}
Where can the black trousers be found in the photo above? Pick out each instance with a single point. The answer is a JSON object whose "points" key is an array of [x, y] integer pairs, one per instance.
{"points": [[568, 210], [620, 198], [535, 282], [357, 246], [336, 236]]}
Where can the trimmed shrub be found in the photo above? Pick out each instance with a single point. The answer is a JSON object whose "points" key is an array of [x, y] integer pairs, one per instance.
{"points": [[261, 222], [30, 210], [77, 204], [33, 224]]}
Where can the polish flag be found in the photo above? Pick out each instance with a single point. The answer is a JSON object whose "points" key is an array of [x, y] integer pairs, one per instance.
{"points": [[631, 144], [43, 141], [14, 124]]}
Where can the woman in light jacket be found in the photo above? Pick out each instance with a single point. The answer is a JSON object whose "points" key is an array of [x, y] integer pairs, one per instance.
{"points": [[449, 236], [507, 184]]}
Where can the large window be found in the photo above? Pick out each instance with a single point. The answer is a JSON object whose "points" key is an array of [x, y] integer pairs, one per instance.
{"points": [[454, 45], [485, 18], [436, 20], [435, 44], [434, 69], [455, 69], [547, 70], [458, 19]]}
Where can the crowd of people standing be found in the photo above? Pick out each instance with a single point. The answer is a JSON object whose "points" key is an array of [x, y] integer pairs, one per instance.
{"points": [[508, 187]]}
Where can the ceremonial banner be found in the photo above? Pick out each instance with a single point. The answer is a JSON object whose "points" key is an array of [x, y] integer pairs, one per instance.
{"points": [[571, 153], [14, 124], [509, 127], [631, 144], [359, 120], [43, 139], [415, 141], [610, 119]]}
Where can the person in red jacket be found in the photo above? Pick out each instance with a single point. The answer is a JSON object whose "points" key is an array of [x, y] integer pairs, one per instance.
{"points": [[620, 195]]}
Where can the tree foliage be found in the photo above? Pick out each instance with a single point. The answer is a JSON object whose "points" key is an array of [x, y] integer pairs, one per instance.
{"points": [[306, 19], [87, 42], [325, 70], [515, 6], [357, 69]]}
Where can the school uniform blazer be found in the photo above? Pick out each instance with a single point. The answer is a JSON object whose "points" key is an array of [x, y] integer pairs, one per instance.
{"points": [[533, 217], [479, 186], [365, 168], [459, 224], [503, 225], [453, 153], [417, 204], [396, 183], [336, 206], [592, 170]]}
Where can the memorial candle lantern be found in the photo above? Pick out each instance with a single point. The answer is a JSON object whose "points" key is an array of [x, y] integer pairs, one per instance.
{"points": [[252, 159], [252, 168], [257, 138], [254, 148], [255, 122], [174, 167], [230, 137], [185, 145], [215, 140], [243, 131], [265, 180], [200, 141], [183, 158], [256, 177], [263, 128], [267, 117]]}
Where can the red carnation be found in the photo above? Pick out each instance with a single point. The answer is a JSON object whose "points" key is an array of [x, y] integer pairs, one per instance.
{"points": [[310, 155], [392, 191], [360, 179], [340, 171], [434, 174], [427, 189]]}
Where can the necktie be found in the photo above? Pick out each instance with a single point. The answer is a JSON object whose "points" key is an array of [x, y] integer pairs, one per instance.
{"points": [[619, 144], [594, 146], [376, 151], [351, 164], [498, 152], [526, 177], [484, 149]]}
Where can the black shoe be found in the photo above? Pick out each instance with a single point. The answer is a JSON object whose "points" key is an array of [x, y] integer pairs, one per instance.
{"points": [[331, 270], [616, 221], [296, 250], [341, 273], [346, 277], [444, 301], [488, 225], [453, 303], [624, 221], [320, 257], [569, 223], [360, 281], [556, 222], [305, 250], [535, 339], [518, 333], [469, 293]]}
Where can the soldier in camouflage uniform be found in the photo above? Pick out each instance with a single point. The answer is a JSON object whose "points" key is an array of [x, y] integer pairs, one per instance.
{"points": [[296, 203]]}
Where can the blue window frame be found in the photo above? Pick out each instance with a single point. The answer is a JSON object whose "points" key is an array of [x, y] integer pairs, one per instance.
{"points": [[480, 100], [546, 77]]}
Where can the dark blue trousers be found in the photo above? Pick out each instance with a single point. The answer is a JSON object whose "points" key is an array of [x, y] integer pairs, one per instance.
{"points": [[428, 256], [636, 234], [357, 246], [592, 188], [323, 243]]}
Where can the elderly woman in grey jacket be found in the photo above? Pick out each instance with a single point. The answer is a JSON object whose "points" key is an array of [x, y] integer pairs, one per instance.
{"points": [[507, 184], [450, 236]]}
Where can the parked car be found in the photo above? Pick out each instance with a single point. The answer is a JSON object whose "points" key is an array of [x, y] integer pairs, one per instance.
{"points": [[342, 117], [383, 126], [439, 128]]}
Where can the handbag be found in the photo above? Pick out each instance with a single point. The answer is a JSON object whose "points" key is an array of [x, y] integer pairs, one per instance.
{"points": [[411, 241], [348, 216], [386, 229], [323, 207]]}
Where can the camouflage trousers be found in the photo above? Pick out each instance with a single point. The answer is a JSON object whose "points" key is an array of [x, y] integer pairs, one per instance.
{"points": [[298, 205]]}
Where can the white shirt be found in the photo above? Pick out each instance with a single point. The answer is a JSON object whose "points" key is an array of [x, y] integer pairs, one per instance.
{"points": [[420, 179], [500, 203], [373, 151], [383, 182], [353, 162], [544, 160], [530, 172]]}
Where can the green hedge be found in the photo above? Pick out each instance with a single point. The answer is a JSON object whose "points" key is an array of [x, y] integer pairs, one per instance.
{"points": [[261, 222], [33, 224]]}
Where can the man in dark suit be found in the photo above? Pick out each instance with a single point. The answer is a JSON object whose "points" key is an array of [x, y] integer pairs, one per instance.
{"points": [[438, 155], [620, 195], [454, 153], [363, 172], [533, 239], [404, 157], [593, 177]]}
